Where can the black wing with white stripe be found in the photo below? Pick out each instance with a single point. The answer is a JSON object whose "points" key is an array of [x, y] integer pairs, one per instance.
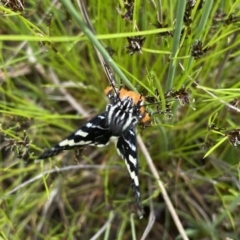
{"points": [[95, 132], [127, 149]]}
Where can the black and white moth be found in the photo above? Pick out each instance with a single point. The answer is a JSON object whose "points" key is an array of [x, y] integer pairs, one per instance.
{"points": [[118, 121]]}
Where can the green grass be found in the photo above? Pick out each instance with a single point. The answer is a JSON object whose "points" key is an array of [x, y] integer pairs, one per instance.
{"points": [[51, 83]]}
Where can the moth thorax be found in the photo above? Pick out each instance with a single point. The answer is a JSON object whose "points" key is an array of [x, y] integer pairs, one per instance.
{"points": [[121, 116]]}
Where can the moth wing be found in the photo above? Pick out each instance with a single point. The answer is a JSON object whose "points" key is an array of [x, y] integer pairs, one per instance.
{"points": [[95, 132], [127, 149]]}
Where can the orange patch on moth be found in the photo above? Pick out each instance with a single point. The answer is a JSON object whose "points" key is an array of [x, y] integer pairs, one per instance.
{"points": [[146, 118], [126, 93], [107, 90], [136, 97]]}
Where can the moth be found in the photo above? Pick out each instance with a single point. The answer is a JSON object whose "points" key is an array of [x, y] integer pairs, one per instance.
{"points": [[118, 121]]}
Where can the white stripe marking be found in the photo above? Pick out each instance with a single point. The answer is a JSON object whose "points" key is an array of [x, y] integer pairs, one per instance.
{"points": [[133, 147], [133, 160], [71, 143], [101, 117], [89, 125], [132, 132], [127, 123], [67, 142], [110, 113], [81, 133], [133, 176], [99, 145]]}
